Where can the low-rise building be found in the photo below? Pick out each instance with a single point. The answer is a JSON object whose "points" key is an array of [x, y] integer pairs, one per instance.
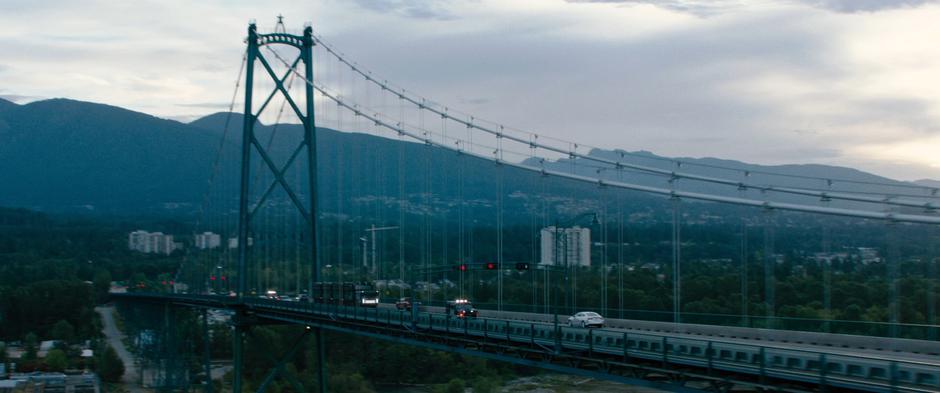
{"points": [[51, 383]]}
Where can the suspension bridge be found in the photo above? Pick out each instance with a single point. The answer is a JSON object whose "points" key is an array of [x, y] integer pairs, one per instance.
{"points": [[427, 202]]}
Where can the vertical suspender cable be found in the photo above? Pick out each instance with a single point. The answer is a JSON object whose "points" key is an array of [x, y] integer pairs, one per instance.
{"points": [[894, 307], [341, 167], [770, 265], [676, 263], [827, 271], [604, 237], [932, 261], [426, 239], [445, 233], [745, 277], [533, 225], [620, 250], [546, 294], [295, 236], [401, 205], [499, 238], [461, 226]]}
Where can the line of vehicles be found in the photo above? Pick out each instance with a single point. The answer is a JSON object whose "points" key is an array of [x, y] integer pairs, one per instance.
{"points": [[339, 293], [364, 295]]}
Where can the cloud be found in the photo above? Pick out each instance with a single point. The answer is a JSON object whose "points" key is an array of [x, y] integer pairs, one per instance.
{"points": [[184, 118], [473, 100], [20, 99], [420, 9], [215, 105], [702, 8], [707, 8], [852, 6], [766, 82]]}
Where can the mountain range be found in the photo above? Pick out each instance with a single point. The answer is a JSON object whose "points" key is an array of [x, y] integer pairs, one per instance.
{"points": [[66, 155]]}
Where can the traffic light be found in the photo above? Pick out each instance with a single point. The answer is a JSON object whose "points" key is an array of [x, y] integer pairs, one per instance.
{"points": [[461, 267], [522, 266], [490, 266]]}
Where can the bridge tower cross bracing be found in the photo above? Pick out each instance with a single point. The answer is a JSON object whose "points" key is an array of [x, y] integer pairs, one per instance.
{"points": [[250, 143]]}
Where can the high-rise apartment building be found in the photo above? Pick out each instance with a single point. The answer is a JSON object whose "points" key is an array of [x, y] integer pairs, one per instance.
{"points": [[566, 245], [152, 242], [208, 240]]}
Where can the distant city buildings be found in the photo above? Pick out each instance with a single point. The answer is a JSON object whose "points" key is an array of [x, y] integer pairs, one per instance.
{"points": [[862, 255], [152, 242], [208, 240], [572, 246], [233, 242]]}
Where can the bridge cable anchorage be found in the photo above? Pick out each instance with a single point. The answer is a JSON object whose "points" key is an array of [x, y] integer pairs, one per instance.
{"points": [[401, 129], [422, 103]]}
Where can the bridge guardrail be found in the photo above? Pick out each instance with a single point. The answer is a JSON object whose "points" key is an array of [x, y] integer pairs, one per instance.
{"points": [[833, 326], [847, 370]]}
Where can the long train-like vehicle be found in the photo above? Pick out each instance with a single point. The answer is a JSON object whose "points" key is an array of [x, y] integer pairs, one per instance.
{"points": [[346, 294]]}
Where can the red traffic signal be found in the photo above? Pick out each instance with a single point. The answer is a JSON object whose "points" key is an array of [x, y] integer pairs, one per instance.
{"points": [[461, 267], [490, 266]]}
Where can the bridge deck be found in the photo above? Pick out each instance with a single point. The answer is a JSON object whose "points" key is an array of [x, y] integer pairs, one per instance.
{"points": [[615, 353]]}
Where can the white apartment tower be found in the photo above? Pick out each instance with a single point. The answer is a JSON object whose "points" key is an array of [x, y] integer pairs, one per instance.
{"points": [[208, 240], [573, 243], [152, 242]]}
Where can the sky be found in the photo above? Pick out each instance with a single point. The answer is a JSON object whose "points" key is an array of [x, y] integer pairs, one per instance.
{"points": [[842, 82]]}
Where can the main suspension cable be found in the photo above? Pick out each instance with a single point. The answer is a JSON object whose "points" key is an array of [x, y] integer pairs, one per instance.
{"points": [[430, 105], [770, 205]]}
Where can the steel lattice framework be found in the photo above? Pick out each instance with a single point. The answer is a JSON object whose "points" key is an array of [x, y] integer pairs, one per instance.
{"points": [[250, 143]]}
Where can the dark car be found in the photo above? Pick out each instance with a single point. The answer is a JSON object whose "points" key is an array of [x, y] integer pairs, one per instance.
{"points": [[461, 308], [403, 304]]}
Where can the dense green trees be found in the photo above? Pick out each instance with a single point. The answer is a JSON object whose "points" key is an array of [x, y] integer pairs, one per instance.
{"points": [[63, 331], [54, 269], [30, 346], [109, 366], [40, 305], [56, 360]]}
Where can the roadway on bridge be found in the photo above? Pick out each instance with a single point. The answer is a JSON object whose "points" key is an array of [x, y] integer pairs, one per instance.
{"points": [[835, 344]]}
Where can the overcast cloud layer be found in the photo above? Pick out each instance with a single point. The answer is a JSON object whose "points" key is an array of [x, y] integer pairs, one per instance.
{"points": [[846, 82]]}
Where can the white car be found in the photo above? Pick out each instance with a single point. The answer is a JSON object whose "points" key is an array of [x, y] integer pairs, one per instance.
{"points": [[586, 319]]}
